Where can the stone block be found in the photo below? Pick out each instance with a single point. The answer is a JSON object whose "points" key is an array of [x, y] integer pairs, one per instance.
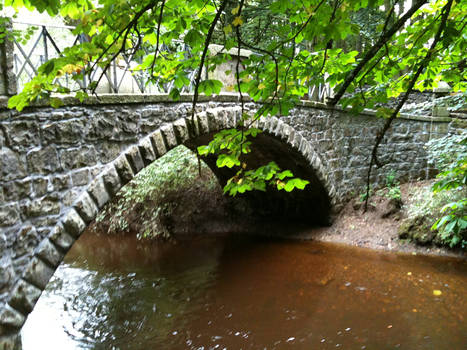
{"points": [[73, 223], [38, 273], [80, 177], [60, 238], [291, 136], [24, 296], [181, 131], [40, 186], [78, 157], [86, 207], [98, 192], [125, 125], [304, 147], [272, 125], [134, 158], [6, 270], [148, 125], [297, 141], [17, 190], [261, 123], [158, 143], [61, 182], [111, 180], [23, 133], [316, 163], [102, 125], [212, 120], [11, 318], [63, 132], [43, 161], [147, 150], [108, 151], [281, 130], [222, 118], [203, 123], [49, 253], [168, 133], [26, 240], [3, 243], [9, 215], [71, 195], [11, 165], [10, 342], [2, 136], [96, 171], [124, 169], [48, 205], [233, 116]]}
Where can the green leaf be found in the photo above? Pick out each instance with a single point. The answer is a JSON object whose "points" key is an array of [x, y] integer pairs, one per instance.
{"points": [[284, 174], [450, 226], [56, 102], [81, 95], [227, 160], [174, 94], [291, 184], [193, 38], [210, 87], [48, 67]]}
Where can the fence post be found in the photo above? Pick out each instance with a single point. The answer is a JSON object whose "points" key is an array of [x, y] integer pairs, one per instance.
{"points": [[8, 85]]}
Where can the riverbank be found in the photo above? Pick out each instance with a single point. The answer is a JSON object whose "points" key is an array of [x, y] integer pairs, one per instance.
{"points": [[378, 228], [207, 212]]}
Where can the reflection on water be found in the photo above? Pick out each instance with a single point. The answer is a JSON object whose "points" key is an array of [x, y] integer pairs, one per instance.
{"points": [[247, 293]]}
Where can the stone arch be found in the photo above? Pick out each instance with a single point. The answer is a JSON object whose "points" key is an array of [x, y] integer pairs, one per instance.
{"points": [[52, 249]]}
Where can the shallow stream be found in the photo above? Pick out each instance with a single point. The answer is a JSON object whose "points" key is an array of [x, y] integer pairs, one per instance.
{"points": [[248, 293]]}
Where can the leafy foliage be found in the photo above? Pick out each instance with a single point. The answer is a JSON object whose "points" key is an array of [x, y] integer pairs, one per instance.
{"points": [[451, 152], [230, 144], [392, 190]]}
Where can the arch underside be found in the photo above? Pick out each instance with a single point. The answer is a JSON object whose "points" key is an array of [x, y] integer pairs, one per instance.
{"points": [[279, 142], [309, 206]]}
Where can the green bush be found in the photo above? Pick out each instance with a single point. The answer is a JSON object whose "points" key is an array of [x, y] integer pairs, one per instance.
{"points": [[450, 156]]}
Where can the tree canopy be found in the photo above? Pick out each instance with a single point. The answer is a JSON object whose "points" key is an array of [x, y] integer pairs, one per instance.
{"points": [[367, 51]]}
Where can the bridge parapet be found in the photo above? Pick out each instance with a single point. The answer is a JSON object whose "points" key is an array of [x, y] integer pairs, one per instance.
{"points": [[58, 167]]}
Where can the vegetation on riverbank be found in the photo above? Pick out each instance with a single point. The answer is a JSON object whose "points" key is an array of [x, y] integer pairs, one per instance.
{"points": [[145, 206], [438, 212], [170, 197]]}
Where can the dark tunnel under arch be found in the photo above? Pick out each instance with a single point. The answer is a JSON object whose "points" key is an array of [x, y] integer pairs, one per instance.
{"points": [[311, 205]]}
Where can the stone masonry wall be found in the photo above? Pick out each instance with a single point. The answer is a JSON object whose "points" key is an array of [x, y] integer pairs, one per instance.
{"points": [[51, 157], [345, 142]]}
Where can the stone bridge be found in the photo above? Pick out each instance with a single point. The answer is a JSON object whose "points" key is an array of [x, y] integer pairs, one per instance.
{"points": [[59, 167]]}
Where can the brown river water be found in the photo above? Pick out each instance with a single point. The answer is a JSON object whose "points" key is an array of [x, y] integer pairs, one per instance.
{"points": [[248, 293]]}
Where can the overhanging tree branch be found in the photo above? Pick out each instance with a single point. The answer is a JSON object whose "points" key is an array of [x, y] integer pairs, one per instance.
{"points": [[423, 64], [207, 41], [385, 37]]}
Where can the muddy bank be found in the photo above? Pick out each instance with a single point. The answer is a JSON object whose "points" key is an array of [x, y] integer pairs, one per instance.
{"points": [[379, 227]]}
